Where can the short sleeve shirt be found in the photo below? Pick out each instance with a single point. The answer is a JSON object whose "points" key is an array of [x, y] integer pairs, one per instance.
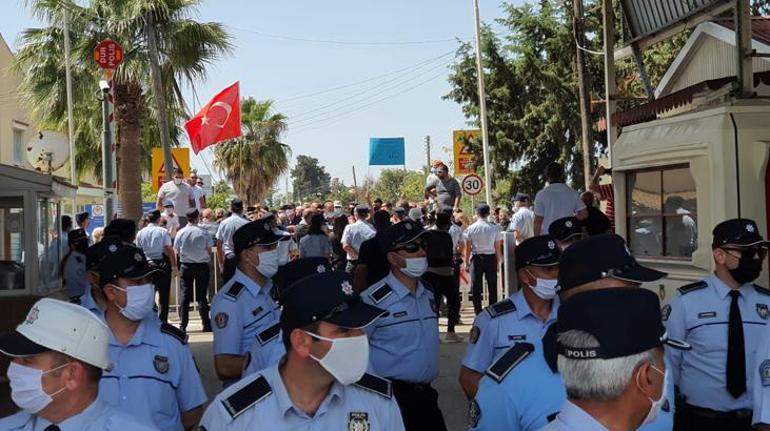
{"points": [[315, 246], [74, 276], [193, 244], [483, 236], [524, 222], [181, 195], [355, 234], [226, 230], [152, 240], [556, 201], [446, 191]]}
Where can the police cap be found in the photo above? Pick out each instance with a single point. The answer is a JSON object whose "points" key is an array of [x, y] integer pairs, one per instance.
{"points": [[738, 232], [624, 320], [257, 232], [598, 257], [327, 297], [539, 250], [76, 235], [297, 269], [192, 213], [81, 217], [566, 228], [97, 252], [236, 204], [400, 234], [126, 262]]}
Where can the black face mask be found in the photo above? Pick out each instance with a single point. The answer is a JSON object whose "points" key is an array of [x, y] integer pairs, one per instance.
{"points": [[748, 270]]}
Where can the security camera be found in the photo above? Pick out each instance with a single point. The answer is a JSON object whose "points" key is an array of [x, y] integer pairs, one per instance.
{"points": [[104, 85]]}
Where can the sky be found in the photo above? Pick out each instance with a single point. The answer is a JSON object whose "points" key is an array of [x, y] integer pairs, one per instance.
{"points": [[341, 70]]}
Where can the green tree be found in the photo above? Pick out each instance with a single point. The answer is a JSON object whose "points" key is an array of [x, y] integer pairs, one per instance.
{"points": [[310, 180], [186, 47], [392, 184], [253, 162], [338, 191]]}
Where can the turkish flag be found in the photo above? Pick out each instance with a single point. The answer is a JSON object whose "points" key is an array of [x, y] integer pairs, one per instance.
{"points": [[218, 121]]}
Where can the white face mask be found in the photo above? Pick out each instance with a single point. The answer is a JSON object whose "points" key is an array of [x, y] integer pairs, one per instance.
{"points": [[27, 387], [544, 288], [415, 266], [268, 263], [347, 359], [139, 301], [657, 405], [337, 211], [177, 181]]}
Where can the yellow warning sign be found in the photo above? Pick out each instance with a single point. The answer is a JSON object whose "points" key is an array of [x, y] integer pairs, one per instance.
{"points": [[181, 159], [464, 157]]}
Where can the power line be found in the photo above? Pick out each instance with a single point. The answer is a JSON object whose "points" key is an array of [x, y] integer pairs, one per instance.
{"points": [[345, 42]]}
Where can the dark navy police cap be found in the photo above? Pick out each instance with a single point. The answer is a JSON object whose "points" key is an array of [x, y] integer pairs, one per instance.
{"points": [[192, 213], [97, 252], [298, 269], [538, 250], [598, 257], [125, 262], [738, 232], [81, 217], [327, 297], [76, 235], [624, 320], [257, 232], [401, 233], [566, 228]]}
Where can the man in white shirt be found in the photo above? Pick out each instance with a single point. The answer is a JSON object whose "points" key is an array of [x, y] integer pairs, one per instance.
{"points": [[523, 220], [178, 192], [199, 194], [483, 251], [355, 234], [556, 200]]}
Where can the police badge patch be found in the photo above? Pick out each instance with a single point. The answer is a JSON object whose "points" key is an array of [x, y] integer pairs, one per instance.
{"points": [[763, 311], [221, 320], [358, 421], [161, 364], [475, 333], [665, 312], [474, 414], [764, 372]]}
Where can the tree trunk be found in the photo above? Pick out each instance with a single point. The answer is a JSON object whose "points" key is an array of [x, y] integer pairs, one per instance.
{"points": [[128, 118], [584, 86]]}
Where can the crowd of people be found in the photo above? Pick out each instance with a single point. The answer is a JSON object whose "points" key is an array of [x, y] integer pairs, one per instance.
{"points": [[328, 319]]}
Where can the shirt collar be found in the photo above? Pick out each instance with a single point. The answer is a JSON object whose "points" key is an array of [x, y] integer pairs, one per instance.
{"points": [[523, 310], [85, 418], [722, 289], [576, 419], [402, 290], [144, 333], [285, 405], [252, 286]]}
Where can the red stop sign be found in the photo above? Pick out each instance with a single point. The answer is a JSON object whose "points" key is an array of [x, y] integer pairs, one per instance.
{"points": [[108, 54]]}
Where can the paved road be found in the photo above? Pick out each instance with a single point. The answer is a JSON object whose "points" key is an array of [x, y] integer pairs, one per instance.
{"points": [[451, 399]]}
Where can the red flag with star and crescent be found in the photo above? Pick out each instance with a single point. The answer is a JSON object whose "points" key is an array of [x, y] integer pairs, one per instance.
{"points": [[218, 121]]}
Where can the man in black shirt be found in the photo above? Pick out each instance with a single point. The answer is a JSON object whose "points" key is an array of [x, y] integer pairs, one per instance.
{"points": [[596, 223], [372, 263]]}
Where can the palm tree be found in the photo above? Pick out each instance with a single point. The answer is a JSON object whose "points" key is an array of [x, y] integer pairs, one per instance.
{"points": [[254, 162], [185, 46]]}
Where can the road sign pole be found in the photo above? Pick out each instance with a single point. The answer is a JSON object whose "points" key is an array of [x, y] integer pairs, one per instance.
{"points": [[108, 168], [482, 106]]}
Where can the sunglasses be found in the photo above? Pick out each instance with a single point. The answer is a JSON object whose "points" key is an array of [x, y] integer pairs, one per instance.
{"points": [[748, 253], [411, 247]]}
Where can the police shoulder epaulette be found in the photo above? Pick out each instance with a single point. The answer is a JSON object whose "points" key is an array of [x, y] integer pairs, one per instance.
{"points": [[512, 357], [427, 285], [381, 293], [269, 334], [247, 396], [762, 290], [503, 307], [173, 331], [687, 288], [376, 384], [235, 290]]}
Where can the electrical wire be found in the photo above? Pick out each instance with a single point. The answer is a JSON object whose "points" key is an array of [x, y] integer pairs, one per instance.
{"points": [[344, 42]]}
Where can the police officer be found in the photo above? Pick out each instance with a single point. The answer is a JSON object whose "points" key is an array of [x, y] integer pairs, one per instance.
{"points": [[74, 265], [723, 318], [566, 231], [483, 250], [58, 354], [243, 311], [404, 345], [321, 382], [616, 337], [156, 244], [192, 245], [522, 389], [225, 254], [354, 235], [154, 375], [523, 317], [93, 298]]}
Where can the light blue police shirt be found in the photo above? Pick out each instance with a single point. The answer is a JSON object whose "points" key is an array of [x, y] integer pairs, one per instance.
{"points": [[152, 240], [266, 352], [87, 301], [99, 416], [193, 244], [404, 345], [530, 394], [573, 418], [75, 280], [226, 230], [154, 376], [261, 400], [243, 313], [760, 377], [510, 321], [699, 314]]}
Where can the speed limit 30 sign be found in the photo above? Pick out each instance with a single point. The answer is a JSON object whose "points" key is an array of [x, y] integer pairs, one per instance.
{"points": [[472, 184]]}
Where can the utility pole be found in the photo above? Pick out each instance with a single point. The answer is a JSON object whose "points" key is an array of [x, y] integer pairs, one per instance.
{"points": [[108, 164], [70, 115], [427, 153], [610, 86], [355, 183], [160, 97], [483, 108], [584, 90]]}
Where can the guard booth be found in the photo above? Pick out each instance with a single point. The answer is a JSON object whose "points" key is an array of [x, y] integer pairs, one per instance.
{"points": [[695, 156]]}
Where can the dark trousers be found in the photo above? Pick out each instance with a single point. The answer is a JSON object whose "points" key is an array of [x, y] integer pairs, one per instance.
{"points": [[195, 276], [231, 263], [419, 406], [163, 286], [446, 285], [692, 418], [483, 266]]}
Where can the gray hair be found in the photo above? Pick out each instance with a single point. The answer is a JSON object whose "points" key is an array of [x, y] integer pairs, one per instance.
{"points": [[597, 379]]}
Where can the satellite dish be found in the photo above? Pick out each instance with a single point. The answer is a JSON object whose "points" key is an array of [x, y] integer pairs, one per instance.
{"points": [[48, 151]]}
